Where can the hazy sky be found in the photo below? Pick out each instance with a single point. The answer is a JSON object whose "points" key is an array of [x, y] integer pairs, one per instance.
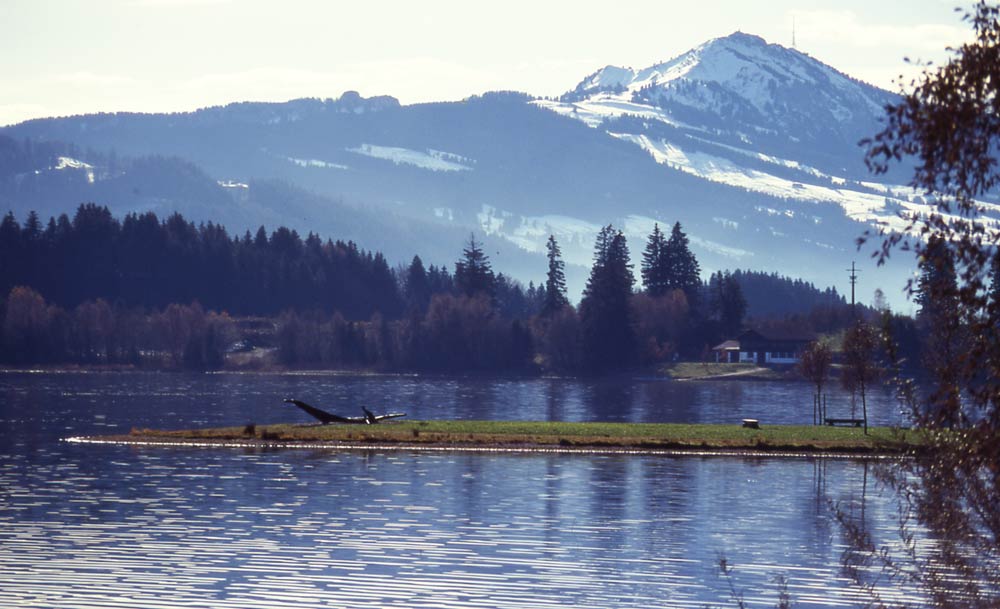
{"points": [[60, 57]]}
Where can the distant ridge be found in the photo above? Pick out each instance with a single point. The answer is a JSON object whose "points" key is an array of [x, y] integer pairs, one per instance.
{"points": [[751, 146]]}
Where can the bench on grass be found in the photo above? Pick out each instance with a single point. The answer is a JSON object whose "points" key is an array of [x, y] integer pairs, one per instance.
{"points": [[848, 422]]}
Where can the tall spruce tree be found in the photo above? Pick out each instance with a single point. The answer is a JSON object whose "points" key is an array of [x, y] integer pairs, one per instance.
{"points": [[681, 266], [608, 338], [555, 280], [418, 287], [11, 254], [734, 305], [726, 302], [654, 270], [938, 297], [937, 286], [473, 274]]}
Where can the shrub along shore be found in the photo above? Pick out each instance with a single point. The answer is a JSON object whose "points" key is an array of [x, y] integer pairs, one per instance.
{"points": [[547, 435]]}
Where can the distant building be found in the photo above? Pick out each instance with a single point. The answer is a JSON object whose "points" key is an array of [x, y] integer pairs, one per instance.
{"points": [[728, 352], [755, 348]]}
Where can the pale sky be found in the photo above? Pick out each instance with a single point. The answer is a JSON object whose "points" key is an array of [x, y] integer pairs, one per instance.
{"points": [[62, 57]]}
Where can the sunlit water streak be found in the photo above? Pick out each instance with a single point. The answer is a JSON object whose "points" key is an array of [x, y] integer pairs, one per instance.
{"points": [[149, 527]]}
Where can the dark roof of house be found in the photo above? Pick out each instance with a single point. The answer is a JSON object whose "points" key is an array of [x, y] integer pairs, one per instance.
{"points": [[775, 336], [752, 340]]}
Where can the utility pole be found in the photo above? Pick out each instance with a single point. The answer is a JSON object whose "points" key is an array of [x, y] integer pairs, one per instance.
{"points": [[854, 281]]}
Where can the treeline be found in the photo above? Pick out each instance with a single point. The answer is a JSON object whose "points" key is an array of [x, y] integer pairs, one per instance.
{"points": [[774, 295], [475, 320], [94, 332], [144, 262], [113, 290]]}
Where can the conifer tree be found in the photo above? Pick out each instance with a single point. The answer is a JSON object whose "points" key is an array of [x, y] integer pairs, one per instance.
{"points": [[608, 337], [32, 227], [473, 273], [11, 253], [440, 281], [937, 286], [726, 302], [653, 269], [681, 266], [418, 288], [937, 295], [555, 280]]}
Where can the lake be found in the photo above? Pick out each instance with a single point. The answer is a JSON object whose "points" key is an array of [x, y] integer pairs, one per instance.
{"points": [[118, 526]]}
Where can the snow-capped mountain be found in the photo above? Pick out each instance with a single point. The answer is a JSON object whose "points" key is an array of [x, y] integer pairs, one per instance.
{"points": [[753, 147], [757, 116], [743, 86]]}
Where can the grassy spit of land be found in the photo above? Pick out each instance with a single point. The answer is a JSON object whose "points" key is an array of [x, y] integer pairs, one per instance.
{"points": [[710, 371], [535, 434]]}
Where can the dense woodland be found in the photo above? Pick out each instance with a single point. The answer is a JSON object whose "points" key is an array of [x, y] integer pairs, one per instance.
{"points": [[145, 291]]}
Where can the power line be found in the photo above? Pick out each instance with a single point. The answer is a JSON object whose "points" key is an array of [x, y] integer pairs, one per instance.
{"points": [[854, 281]]}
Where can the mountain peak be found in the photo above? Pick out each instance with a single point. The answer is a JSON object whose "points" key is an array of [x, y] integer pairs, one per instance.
{"points": [[738, 77], [716, 60], [743, 38], [611, 79]]}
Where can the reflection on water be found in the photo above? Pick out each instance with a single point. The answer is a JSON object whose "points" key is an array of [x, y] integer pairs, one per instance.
{"points": [[88, 403], [113, 526]]}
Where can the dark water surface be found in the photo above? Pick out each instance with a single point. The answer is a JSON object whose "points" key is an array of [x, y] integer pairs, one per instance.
{"points": [[115, 526]]}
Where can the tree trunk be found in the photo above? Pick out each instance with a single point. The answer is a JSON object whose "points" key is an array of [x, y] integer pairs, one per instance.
{"points": [[864, 408]]}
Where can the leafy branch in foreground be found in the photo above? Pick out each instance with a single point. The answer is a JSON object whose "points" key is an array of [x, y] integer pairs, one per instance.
{"points": [[949, 498]]}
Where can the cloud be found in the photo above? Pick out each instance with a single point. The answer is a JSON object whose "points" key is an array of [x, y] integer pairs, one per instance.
{"points": [[844, 28], [875, 52], [413, 79], [11, 114], [175, 3], [86, 78]]}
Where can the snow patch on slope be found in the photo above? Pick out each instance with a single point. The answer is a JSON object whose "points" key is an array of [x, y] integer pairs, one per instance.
{"points": [[66, 162], [862, 206], [592, 112], [233, 184], [316, 163], [432, 160]]}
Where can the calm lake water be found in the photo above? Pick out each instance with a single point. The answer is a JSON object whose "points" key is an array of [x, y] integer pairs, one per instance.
{"points": [[115, 526]]}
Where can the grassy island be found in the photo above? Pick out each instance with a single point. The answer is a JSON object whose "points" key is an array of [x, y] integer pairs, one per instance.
{"points": [[547, 435]]}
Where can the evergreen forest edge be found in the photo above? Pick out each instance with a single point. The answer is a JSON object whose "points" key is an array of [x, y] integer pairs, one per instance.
{"points": [[169, 294]]}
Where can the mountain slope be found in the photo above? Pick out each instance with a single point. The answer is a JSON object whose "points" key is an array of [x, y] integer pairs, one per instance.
{"points": [[741, 90], [751, 146], [753, 115]]}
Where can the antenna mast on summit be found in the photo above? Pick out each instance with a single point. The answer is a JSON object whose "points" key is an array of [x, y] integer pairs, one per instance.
{"points": [[793, 31]]}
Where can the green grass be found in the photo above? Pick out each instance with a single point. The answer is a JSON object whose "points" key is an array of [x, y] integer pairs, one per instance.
{"points": [[705, 370], [581, 435]]}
